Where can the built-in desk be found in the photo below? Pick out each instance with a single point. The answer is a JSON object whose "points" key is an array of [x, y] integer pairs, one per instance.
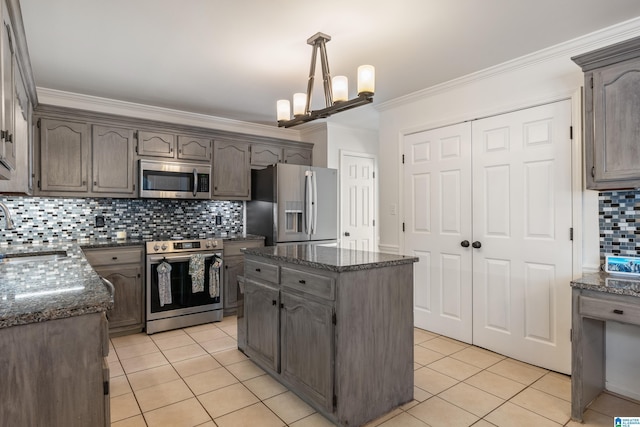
{"points": [[596, 299]]}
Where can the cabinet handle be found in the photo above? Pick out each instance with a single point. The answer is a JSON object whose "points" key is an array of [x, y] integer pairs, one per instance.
{"points": [[616, 311], [95, 182], [593, 171], [301, 281], [114, 258], [273, 302], [258, 270]]}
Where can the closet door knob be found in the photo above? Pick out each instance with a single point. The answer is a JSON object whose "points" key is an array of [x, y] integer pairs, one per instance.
{"points": [[464, 243], [476, 245]]}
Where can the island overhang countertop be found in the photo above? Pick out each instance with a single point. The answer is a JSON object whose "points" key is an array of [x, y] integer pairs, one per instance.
{"points": [[329, 258]]}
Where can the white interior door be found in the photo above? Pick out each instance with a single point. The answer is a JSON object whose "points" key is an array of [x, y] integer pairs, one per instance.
{"points": [[522, 218], [358, 190], [437, 208]]}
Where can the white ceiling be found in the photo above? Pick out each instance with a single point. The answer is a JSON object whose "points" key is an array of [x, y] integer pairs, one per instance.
{"points": [[235, 58]]}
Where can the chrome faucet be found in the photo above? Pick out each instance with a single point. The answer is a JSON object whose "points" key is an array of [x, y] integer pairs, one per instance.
{"points": [[7, 216]]}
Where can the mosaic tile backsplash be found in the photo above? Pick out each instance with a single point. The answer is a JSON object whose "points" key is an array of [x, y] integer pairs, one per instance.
{"points": [[619, 217], [42, 220]]}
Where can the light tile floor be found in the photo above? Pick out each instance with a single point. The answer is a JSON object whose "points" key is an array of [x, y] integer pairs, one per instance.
{"points": [[196, 377]]}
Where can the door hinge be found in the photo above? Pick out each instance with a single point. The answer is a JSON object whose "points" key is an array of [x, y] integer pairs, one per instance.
{"points": [[374, 222], [403, 159], [571, 233], [374, 175], [591, 82], [334, 319], [571, 133], [39, 123], [570, 334], [135, 134], [105, 388], [403, 227]]}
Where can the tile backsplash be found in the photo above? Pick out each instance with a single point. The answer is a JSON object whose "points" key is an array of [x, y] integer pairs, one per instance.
{"points": [[619, 217], [41, 220]]}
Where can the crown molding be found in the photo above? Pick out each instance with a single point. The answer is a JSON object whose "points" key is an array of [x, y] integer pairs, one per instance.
{"points": [[142, 111], [582, 44]]}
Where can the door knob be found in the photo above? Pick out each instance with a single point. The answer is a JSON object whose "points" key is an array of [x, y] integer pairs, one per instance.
{"points": [[346, 233], [464, 243], [476, 245]]}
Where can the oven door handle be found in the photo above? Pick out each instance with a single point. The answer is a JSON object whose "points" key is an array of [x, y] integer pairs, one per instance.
{"points": [[176, 258]]}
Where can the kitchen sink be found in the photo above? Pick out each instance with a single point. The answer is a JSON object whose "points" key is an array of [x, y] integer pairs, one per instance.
{"points": [[19, 258]]}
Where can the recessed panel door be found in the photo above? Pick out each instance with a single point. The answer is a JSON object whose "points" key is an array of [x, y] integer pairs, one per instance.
{"points": [[437, 185], [357, 207], [522, 255]]}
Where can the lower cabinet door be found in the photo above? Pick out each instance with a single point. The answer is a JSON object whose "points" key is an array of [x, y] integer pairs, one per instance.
{"points": [[233, 266], [307, 347], [128, 308], [262, 316]]}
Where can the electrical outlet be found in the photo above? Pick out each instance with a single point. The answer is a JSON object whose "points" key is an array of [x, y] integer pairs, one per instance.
{"points": [[99, 221], [218, 219]]}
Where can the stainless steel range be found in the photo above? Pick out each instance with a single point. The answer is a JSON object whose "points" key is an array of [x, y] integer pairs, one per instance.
{"points": [[184, 283]]}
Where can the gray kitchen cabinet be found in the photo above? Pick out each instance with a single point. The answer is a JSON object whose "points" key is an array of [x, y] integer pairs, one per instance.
{"points": [[64, 156], [56, 373], [306, 339], [156, 144], [231, 170], [297, 156], [341, 340], [262, 301], [113, 162], [234, 267], [194, 148], [123, 268], [8, 68], [265, 154], [612, 123]]}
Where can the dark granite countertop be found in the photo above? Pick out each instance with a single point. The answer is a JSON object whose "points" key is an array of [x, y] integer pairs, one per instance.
{"points": [[613, 284], [112, 243], [41, 290], [330, 258]]}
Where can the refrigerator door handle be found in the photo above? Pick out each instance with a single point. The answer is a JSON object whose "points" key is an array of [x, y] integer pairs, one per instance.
{"points": [[314, 202], [308, 212]]}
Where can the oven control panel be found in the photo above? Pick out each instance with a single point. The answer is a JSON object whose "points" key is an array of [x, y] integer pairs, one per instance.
{"points": [[174, 246]]}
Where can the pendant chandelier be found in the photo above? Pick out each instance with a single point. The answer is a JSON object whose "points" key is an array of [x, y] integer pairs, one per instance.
{"points": [[336, 92]]}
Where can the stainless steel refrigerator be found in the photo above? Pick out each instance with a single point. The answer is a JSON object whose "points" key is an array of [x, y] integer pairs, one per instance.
{"points": [[293, 203]]}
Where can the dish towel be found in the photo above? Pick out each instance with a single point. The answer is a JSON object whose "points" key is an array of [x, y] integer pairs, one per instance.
{"points": [[214, 277], [196, 271], [164, 283]]}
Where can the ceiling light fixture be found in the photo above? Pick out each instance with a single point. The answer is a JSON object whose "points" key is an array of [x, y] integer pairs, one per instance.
{"points": [[336, 92]]}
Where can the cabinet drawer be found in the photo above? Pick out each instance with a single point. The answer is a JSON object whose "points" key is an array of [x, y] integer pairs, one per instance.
{"points": [[314, 284], [610, 310], [113, 256], [262, 271], [235, 248]]}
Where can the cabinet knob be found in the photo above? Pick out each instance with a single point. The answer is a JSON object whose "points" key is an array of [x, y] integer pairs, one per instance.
{"points": [[301, 281], [258, 270], [617, 311], [114, 258]]}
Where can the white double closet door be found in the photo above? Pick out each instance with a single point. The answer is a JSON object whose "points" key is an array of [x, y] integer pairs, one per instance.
{"points": [[487, 210]]}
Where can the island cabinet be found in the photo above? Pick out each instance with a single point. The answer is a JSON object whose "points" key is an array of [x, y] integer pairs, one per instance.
{"points": [[122, 267], [54, 373], [339, 335], [233, 261], [612, 122]]}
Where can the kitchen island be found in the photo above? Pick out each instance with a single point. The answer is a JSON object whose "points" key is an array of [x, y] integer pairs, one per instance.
{"points": [[53, 336], [596, 299], [333, 325]]}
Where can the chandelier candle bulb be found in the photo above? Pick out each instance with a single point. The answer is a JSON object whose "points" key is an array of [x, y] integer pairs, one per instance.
{"points": [[340, 89], [283, 107], [299, 104], [366, 80]]}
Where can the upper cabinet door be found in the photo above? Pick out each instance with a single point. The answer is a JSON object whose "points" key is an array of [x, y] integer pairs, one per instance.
{"points": [[231, 170], [113, 164], [265, 154], [156, 144], [64, 156], [297, 156], [7, 137], [191, 148]]}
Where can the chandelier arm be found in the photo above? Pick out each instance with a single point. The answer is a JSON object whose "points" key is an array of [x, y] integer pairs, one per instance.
{"points": [[312, 72], [326, 74]]}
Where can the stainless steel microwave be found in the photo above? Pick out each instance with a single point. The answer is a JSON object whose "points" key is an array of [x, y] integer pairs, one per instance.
{"points": [[174, 180]]}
